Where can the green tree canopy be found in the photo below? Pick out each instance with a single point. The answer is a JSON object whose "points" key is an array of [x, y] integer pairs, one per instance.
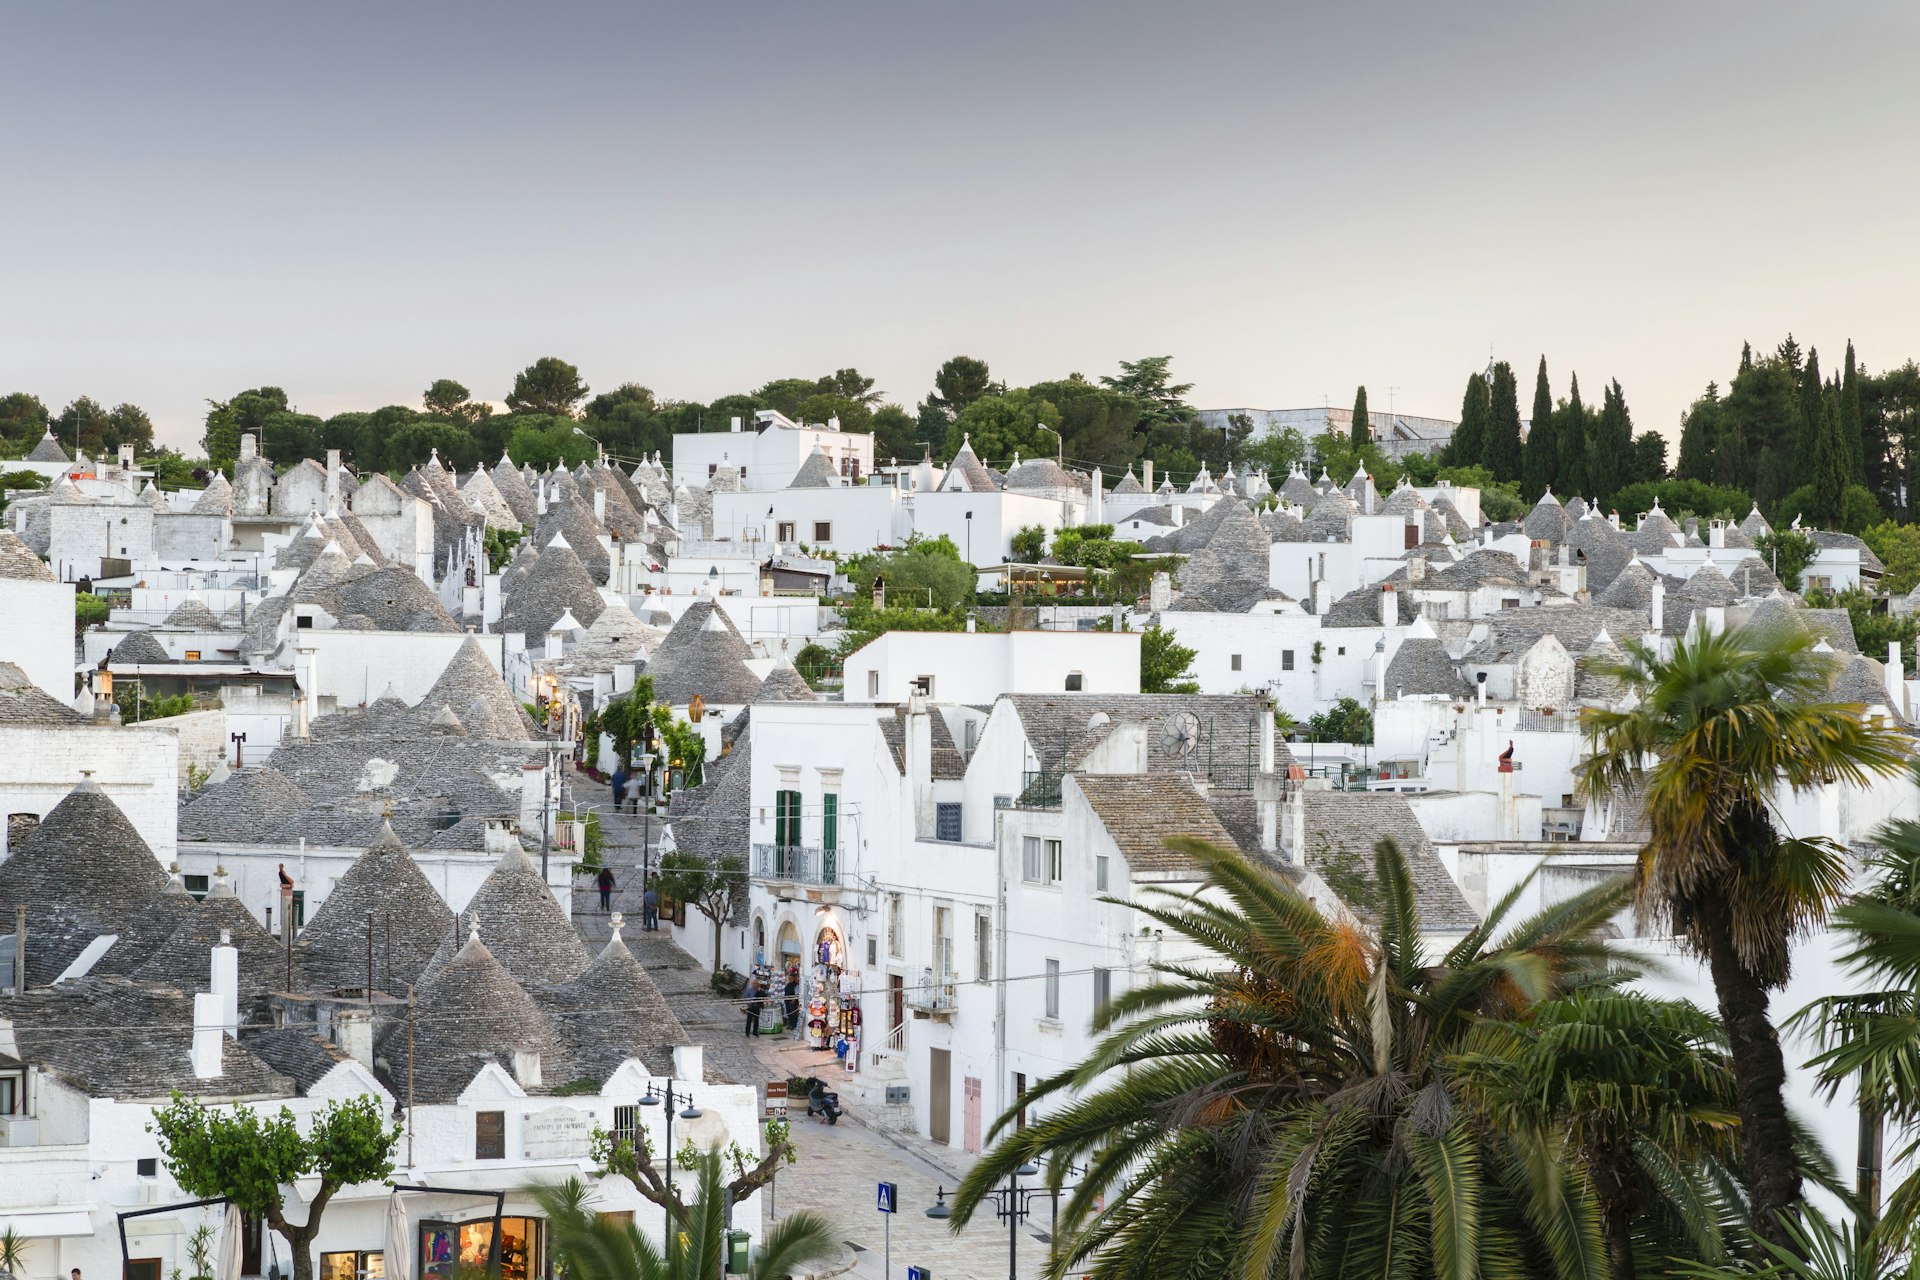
{"points": [[22, 417], [1003, 425], [1503, 456], [548, 386], [228, 420], [445, 398], [1468, 447], [1166, 665], [1361, 428]]}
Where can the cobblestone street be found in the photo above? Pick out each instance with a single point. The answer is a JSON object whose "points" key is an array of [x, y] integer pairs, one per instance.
{"points": [[839, 1166]]}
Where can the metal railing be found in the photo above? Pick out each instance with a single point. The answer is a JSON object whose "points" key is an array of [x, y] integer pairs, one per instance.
{"points": [[934, 994], [796, 864], [1039, 789]]}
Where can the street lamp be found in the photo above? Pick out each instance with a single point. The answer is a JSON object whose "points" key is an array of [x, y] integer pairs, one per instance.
{"points": [[646, 820], [1009, 1203], [689, 1112]]}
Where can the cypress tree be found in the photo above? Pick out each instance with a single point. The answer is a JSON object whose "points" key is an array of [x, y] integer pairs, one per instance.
{"points": [[1610, 445], [1362, 432], [1503, 455], [1850, 419], [1746, 356], [1469, 444], [1570, 444], [1806, 444], [1730, 452], [1830, 470], [1541, 467], [1542, 396], [1699, 429]]}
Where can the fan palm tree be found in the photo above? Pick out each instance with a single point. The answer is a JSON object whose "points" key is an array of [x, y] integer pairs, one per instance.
{"points": [[1292, 1109], [1642, 1092], [592, 1248], [1709, 738], [1817, 1248]]}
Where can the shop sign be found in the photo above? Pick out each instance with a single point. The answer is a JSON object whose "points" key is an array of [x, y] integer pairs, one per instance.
{"points": [[558, 1133], [776, 1099]]}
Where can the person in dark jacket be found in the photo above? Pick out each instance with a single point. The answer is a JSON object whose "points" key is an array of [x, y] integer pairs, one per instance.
{"points": [[619, 781], [605, 881], [752, 995], [793, 997]]}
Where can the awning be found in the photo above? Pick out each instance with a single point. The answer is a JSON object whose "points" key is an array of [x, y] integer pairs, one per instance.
{"points": [[48, 1224]]}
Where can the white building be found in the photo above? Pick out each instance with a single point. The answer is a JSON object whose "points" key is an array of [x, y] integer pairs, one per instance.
{"points": [[769, 455]]}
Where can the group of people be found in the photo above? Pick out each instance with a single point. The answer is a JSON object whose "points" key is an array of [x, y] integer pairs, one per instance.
{"points": [[649, 901], [787, 989], [627, 790]]}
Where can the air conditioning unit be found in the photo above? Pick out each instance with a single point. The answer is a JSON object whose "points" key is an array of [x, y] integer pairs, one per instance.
{"points": [[149, 1190]]}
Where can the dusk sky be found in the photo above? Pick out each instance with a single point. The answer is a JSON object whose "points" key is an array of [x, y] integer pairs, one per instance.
{"points": [[352, 200]]}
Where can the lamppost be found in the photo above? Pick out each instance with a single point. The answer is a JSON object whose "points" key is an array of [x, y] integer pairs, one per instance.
{"points": [[969, 537], [689, 1112], [1010, 1204], [646, 820]]}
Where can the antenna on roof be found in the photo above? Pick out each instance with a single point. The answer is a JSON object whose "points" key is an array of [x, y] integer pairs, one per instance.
{"points": [[1180, 734]]}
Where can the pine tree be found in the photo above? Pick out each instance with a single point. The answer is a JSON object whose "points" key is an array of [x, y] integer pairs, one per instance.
{"points": [[1730, 452], [1830, 470], [1746, 356], [1503, 455], [1850, 419], [1806, 445], [1542, 396], [1610, 445], [1570, 445], [1362, 428], [1699, 431], [1469, 444]]}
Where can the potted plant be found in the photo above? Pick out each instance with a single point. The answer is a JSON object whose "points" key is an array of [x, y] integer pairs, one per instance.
{"points": [[13, 1253]]}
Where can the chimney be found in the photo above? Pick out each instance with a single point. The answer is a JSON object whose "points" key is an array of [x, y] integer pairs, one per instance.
{"points": [[1119, 618], [599, 504], [333, 481], [1146, 471], [919, 746], [226, 983], [533, 781], [1717, 535], [972, 622], [1416, 569], [353, 1033], [1659, 603], [208, 1038], [1389, 606], [1097, 508], [19, 950], [1266, 784], [500, 837], [1613, 518], [1297, 827], [249, 450], [689, 1063], [1178, 514], [126, 457], [526, 1068], [736, 424], [1160, 593], [1896, 680]]}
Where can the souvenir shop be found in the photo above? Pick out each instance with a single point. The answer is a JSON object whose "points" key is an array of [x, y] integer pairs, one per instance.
{"points": [[450, 1248], [827, 991]]}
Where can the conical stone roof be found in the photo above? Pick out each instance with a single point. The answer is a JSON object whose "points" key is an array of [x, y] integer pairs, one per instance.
{"points": [[18, 562], [469, 1013], [1422, 668], [966, 474], [184, 959], [237, 808], [612, 1012], [410, 921], [531, 935], [513, 490], [703, 655], [192, 615], [815, 473], [139, 649], [785, 684], [216, 499], [48, 450], [1228, 573], [562, 583], [471, 687]]}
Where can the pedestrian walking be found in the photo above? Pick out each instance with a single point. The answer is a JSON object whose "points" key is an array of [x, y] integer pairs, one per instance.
{"points": [[605, 881], [619, 781], [752, 995], [650, 910], [793, 996]]}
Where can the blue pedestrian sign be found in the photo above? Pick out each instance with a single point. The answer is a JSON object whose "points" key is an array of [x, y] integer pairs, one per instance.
{"points": [[889, 1197], [919, 1273]]}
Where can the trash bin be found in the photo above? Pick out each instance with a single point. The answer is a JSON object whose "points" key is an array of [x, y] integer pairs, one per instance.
{"points": [[737, 1253]]}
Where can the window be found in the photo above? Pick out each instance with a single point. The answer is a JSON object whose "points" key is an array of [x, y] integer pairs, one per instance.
{"points": [[942, 943], [195, 885], [1020, 1087], [1075, 682], [1040, 860], [896, 924], [873, 684], [1343, 651], [982, 948], [1286, 659], [349, 1265], [1053, 989], [626, 1123], [923, 685], [783, 532], [489, 1135], [823, 531], [304, 620], [193, 655], [786, 819], [147, 1167], [830, 822], [1100, 873], [970, 735], [299, 908], [946, 822], [711, 468], [873, 952], [1236, 662], [1509, 602], [1102, 989]]}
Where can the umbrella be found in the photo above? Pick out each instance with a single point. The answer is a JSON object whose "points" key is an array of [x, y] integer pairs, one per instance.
{"points": [[399, 1242], [227, 1264]]}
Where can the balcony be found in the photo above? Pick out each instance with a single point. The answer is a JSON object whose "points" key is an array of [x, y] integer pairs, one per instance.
{"points": [[933, 996], [797, 864], [1039, 789]]}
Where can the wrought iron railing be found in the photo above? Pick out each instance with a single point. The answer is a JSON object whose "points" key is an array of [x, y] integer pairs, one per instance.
{"points": [[934, 994], [1040, 789], [797, 864]]}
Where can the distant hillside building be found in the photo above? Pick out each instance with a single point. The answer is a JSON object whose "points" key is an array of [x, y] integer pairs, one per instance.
{"points": [[1397, 434]]}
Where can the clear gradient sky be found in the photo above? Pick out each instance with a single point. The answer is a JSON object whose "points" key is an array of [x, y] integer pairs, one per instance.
{"points": [[351, 200]]}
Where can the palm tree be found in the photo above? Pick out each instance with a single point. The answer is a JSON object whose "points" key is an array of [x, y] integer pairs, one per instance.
{"points": [[592, 1248], [1710, 737], [1641, 1090], [1292, 1108], [1817, 1248]]}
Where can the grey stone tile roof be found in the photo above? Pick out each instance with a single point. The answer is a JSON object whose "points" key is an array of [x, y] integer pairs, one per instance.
{"points": [[138, 649], [185, 958], [1061, 728], [1862, 680], [1197, 530], [1593, 684], [538, 599], [1456, 523], [469, 1013], [1284, 526], [815, 473], [1656, 533], [966, 473], [391, 597], [1405, 500], [1829, 541], [478, 696], [711, 820], [1484, 567], [1753, 579], [48, 450], [573, 519], [946, 764], [385, 717], [1228, 573], [703, 654], [1331, 518], [1513, 631], [1835, 626], [1361, 607], [623, 518], [329, 569], [301, 1056], [785, 684], [410, 920], [24, 702], [611, 1012], [235, 808], [1591, 531], [1128, 483], [192, 614], [531, 934], [1576, 507], [1708, 588], [1422, 668], [1142, 811], [18, 562], [1039, 474], [137, 938], [1631, 588], [216, 499], [302, 551], [484, 496], [1755, 526], [514, 491], [1298, 490], [1605, 562], [616, 636], [82, 872], [111, 1037], [1344, 826], [1548, 521]]}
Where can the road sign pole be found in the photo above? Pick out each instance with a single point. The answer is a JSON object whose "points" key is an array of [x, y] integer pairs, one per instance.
{"points": [[887, 1195], [887, 1265]]}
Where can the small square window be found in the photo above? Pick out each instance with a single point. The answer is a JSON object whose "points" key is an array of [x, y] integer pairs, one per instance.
{"points": [[783, 532], [1100, 864], [1343, 651], [147, 1167], [1102, 989], [195, 885], [1075, 681], [1236, 662], [823, 531], [946, 822], [873, 952], [1286, 659], [489, 1135]]}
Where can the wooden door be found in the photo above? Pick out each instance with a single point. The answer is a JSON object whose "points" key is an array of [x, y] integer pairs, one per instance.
{"points": [[970, 1121], [897, 1002], [940, 1096]]}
